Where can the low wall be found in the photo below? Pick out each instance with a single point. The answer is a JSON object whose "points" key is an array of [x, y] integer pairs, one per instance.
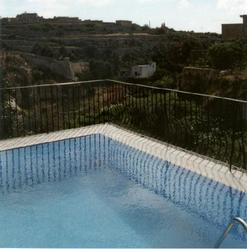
{"points": [[62, 68]]}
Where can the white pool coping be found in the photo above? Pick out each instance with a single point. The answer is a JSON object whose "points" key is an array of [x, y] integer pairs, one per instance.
{"points": [[199, 164]]}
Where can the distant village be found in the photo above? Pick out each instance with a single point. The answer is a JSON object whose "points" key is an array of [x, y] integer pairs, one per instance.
{"points": [[229, 31], [146, 70], [70, 69], [30, 18]]}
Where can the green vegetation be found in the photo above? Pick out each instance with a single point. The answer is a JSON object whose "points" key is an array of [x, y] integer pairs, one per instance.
{"points": [[18, 72], [109, 53], [226, 55], [43, 50]]}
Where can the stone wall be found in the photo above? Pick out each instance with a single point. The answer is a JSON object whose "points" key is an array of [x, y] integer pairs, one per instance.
{"points": [[197, 79], [62, 68], [80, 67]]}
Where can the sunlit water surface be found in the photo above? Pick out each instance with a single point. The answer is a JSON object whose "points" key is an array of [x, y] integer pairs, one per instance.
{"points": [[100, 209], [96, 192]]}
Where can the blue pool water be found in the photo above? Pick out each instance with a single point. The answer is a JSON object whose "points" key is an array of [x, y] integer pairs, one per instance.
{"points": [[96, 192]]}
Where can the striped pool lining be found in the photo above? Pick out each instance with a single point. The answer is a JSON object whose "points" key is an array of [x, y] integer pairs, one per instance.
{"points": [[196, 163]]}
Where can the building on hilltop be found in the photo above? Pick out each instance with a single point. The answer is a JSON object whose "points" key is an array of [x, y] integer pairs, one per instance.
{"points": [[124, 23], [65, 19], [88, 21], [244, 25], [7, 20], [236, 30], [24, 18], [28, 18]]}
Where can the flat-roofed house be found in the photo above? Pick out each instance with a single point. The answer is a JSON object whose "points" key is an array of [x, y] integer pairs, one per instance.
{"points": [[124, 23], [143, 71], [235, 31]]}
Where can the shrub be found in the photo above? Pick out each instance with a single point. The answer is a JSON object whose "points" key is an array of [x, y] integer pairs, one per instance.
{"points": [[226, 55]]}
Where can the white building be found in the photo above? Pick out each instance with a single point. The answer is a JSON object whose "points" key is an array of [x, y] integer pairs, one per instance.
{"points": [[143, 71]]}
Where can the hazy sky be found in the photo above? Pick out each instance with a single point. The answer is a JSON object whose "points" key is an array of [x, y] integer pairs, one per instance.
{"points": [[197, 15]]}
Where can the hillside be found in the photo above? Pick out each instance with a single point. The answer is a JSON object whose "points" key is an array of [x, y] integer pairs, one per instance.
{"points": [[112, 48], [108, 47]]}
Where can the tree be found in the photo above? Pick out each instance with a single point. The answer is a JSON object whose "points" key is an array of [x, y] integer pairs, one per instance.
{"points": [[43, 50], [63, 51], [226, 55]]}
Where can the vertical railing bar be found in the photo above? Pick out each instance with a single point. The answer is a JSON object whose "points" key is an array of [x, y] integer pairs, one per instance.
{"points": [[103, 102], [29, 111], [79, 104], [207, 106], [16, 111], [225, 122], [84, 105], [186, 121], [63, 111], [69, 106], [57, 109], [94, 106], [89, 107], [52, 108], [197, 123], [119, 97], [98, 102], [23, 115], [165, 113], [199, 118], [35, 111], [175, 117], [233, 138], [40, 111], [10, 114], [73, 107], [106, 107], [223, 128], [125, 99], [46, 110]]}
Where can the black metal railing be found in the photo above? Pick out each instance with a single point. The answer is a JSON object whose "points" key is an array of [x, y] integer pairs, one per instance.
{"points": [[209, 125]]}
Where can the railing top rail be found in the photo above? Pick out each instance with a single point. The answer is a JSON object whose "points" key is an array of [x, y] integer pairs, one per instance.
{"points": [[127, 84], [53, 85], [179, 91]]}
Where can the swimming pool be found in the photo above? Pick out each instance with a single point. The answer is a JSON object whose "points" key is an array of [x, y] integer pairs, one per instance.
{"points": [[95, 191]]}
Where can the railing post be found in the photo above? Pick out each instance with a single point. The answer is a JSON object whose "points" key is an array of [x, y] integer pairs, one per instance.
{"points": [[233, 137], [232, 150]]}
